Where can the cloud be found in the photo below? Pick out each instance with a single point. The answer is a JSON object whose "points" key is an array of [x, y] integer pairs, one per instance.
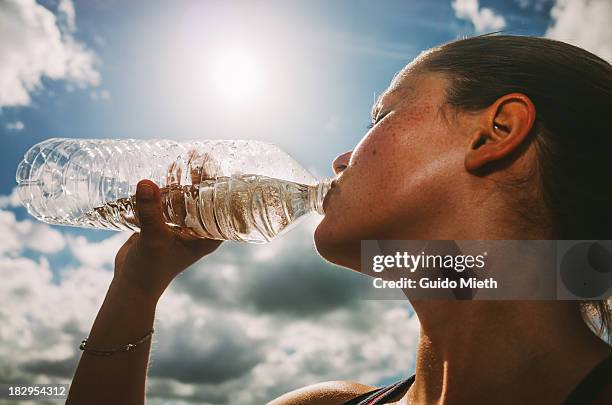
{"points": [[36, 43], [15, 126], [43, 322], [241, 326], [484, 19], [538, 5], [11, 200], [66, 10], [303, 284], [302, 319], [213, 347], [583, 23], [96, 254], [18, 236]]}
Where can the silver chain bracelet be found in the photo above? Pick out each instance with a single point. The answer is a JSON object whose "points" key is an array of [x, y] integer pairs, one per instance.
{"points": [[107, 352]]}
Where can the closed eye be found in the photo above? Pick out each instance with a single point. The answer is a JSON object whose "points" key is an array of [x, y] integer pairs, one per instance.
{"points": [[378, 118]]}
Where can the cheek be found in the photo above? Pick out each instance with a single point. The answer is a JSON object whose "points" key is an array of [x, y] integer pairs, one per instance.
{"points": [[360, 206], [397, 175], [396, 150]]}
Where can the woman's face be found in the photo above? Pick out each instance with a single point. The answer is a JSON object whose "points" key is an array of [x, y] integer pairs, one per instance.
{"points": [[400, 180]]}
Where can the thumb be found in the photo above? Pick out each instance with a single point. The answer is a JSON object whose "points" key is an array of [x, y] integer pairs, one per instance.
{"points": [[149, 210]]}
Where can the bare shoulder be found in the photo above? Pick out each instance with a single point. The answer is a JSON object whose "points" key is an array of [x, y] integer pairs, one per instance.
{"points": [[325, 393]]}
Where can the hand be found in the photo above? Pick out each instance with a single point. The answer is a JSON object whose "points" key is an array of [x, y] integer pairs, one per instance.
{"points": [[151, 259]]}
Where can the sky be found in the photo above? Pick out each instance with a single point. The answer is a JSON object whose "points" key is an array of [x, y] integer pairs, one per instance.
{"points": [[250, 322]]}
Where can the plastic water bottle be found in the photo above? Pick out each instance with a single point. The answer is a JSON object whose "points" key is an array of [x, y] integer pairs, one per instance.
{"points": [[237, 190]]}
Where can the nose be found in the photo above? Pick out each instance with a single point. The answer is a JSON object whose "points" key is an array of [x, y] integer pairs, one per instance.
{"points": [[341, 162]]}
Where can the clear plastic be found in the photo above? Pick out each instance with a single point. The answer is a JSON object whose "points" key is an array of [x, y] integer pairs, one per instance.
{"points": [[247, 191]]}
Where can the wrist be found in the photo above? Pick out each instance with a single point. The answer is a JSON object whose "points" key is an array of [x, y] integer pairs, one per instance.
{"points": [[146, 293]]}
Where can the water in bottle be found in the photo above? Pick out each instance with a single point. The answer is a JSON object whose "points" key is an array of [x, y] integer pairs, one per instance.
{"points": [[228, 190]]}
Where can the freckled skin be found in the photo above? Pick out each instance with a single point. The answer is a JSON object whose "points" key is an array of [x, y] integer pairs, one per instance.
{"points": [[396, 176], [411, 177], [414, 176]]}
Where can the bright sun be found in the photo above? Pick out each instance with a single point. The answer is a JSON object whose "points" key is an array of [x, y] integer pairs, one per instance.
{"points": [[237, 76]]}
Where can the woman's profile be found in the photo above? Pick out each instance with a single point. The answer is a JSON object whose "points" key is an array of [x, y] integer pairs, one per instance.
{"points": [[495, 137]]}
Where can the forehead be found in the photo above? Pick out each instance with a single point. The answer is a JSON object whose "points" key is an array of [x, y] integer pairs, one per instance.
{"points": [[407, 85], [402, 87]]}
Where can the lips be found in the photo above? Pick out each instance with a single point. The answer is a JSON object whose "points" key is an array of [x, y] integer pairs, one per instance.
{"points": [[332, 189], [326, 199]]}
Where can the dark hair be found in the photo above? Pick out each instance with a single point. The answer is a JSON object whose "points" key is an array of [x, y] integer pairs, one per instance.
{"points": [[572, 93]]}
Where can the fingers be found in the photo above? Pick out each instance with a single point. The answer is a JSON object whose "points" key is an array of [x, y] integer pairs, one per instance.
{"points": [[173, 175], [203, 166], [195, 169], [149, 210], [192, 168]]}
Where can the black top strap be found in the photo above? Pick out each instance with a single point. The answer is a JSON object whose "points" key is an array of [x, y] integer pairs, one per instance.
{"points": [[592, 386], [378, 396], [587, 392]]}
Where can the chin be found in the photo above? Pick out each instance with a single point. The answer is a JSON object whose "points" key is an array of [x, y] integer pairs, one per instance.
{"points": [[337, 249]]}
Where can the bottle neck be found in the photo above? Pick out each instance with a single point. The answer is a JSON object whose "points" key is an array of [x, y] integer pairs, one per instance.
{"points": [[317, 195]]}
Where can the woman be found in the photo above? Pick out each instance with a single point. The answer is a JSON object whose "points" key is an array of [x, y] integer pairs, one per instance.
{"points": [[493, 137]]}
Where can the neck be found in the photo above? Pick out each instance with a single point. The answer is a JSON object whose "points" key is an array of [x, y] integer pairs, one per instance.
{"points": [[504, 351]]}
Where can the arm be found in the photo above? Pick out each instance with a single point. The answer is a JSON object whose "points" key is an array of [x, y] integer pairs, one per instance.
{"points": [[125, 316], [144, 267]]}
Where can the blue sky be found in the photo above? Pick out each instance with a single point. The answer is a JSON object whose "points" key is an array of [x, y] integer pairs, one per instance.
{"points": [[145, 69], [331, 58]]}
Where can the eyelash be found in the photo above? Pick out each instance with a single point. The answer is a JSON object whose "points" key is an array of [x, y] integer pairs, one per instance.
{"points": [[373, 123]]}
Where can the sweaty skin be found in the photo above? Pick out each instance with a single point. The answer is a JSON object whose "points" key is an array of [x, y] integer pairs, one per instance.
{"points": [[415, 175]]}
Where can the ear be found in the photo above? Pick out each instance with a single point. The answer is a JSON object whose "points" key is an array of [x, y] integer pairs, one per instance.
{"points": [[502, 128]]}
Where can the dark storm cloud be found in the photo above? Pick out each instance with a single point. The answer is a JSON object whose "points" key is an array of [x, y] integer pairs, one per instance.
{"points": [[302, 286], [294, 281], [163, 389], [52, 368], [219, 352], [241, 327]]}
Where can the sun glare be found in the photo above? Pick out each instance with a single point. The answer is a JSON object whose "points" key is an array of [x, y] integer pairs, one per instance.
{"points": [[237, 76]]}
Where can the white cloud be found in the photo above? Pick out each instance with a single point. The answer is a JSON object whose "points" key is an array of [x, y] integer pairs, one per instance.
{"points": [[66, 7], [292, 313], [484, 19], [40, 237], [35, 43], [97, 254], [201, 352], [536, 4], [42, 322], [20, 235], [11, 242], [11, 200], [15, 126], [225, 331], [583, 23]]}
